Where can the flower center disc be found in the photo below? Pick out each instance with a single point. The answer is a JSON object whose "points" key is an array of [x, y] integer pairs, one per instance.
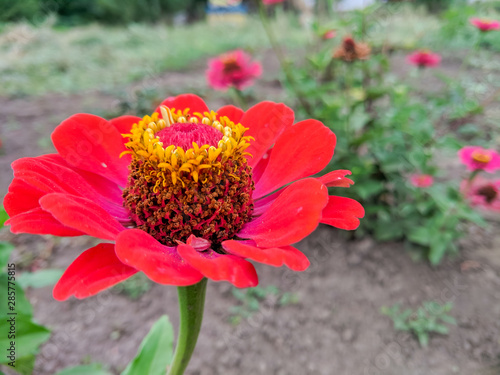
{"points": [[481, 157], [231, 65], [488, 192], [183, 135], [188, 175]]}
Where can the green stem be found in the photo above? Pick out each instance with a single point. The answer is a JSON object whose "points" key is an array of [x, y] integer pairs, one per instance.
{"points": [[239, 98], [282, 59], [191, 304]]}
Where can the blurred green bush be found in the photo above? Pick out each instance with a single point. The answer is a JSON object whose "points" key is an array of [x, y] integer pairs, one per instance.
{"points": [[105, 11]]}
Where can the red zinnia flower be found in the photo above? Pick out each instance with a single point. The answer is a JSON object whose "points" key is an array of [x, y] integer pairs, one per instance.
{"points": [[232, 69], [424, 59], [187, 194], [476, 158], [482, 193], [350, 50], [421, 180], [269, 2], [484, 24], [329, 34]]}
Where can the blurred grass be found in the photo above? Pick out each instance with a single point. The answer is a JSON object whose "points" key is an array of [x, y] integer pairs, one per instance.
{"points": [[45, 59], [38, 60], [405, 26]]}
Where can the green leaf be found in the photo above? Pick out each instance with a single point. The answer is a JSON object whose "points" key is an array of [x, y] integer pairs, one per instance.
{"points": [[39, 279], [369, 188], [437, 252], [25, 366], [238, 294], [420, 236], [423, 339], [155, 352], [388, 231], [3, 217], [28, 337], [5, 251], [22, 305], [253, 304], [448, 319], [93, 369], [439, 328]]}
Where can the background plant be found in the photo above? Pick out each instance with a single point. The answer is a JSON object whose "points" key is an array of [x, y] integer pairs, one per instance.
{"points": [[427, 319], [388, 129], [250, 301]]}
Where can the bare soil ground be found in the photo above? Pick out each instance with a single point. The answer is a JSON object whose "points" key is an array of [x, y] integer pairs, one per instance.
{"points": [[336, 326]]}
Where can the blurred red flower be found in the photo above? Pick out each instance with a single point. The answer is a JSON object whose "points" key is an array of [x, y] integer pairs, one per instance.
{"points": [[329, 34], [350, 50], [421, 180], [485, 25], [424, 59], [232, 69], [482, 193], [478, 158], [184, 194]]}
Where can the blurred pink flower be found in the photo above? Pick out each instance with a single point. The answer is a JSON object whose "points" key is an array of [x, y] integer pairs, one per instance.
{"points": [[484, 24], [421, 180], [232, 69], [475, 158], [329, 34], [269, 2], [424, 59], [483, 193]]}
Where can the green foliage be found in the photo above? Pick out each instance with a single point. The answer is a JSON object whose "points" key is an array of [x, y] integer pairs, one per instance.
{"points": [[386, 131], [155, 352], [28, 334], [439, 5], [135, 286], [39, 279], [85, 11], [108, 58], [3, 217], [19, 9], [456, 31], [93, 369], [251, 298], [429, 318]]}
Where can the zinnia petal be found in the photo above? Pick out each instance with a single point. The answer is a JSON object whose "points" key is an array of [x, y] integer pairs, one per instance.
{"points": [[220, 267], [343, 213], [191, 101], [302, 150], [47, 176], [94, 270], [160, 263], [291, 217], [82, 214], [21, 197], [276, 256], [92, 143], [107, 188], [38, 221], [266, 121], [337, 179], [230, 111], [124, 124]]}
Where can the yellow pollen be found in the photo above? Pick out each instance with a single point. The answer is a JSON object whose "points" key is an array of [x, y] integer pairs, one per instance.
{"points": [[173, 162], [481, 157]]}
